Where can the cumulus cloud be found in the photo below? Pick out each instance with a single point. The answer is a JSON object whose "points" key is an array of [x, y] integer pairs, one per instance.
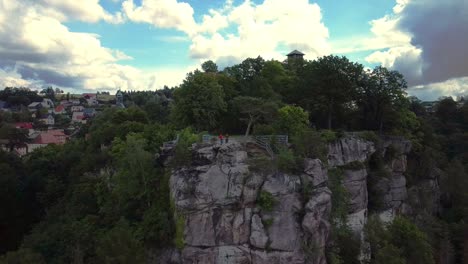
{"points": [[267, 29], [431, 48], [453, 87], [443, 39], [36, 49], [162, 14]]}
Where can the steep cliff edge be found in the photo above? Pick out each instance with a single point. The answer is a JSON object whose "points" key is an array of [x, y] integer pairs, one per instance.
{"points": [[233, 213], [232, 210]]}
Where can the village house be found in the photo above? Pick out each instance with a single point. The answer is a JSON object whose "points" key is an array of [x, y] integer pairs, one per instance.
{"points": [[78, 117], [89, 112], [46, 103], [77, 108], [19, 149], [26, 126], [49, 120], [91, 99], [60, 109], [66, 103], [53, 136]]}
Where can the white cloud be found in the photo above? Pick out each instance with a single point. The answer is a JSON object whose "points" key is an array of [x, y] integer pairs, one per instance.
{"points": [[38, 50], [13, 79], [162, 14], [453, 87], [262, 29], [426, 42], [84, 10], [393, 46], [406, 59]]}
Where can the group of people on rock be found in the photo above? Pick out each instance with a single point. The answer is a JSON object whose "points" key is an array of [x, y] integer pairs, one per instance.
{"points": [[224, 138]]}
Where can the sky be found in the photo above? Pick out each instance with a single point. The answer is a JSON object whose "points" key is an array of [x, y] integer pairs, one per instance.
{"points": [[106, 45]]}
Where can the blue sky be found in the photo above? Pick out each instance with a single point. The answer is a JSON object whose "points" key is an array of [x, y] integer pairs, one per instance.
{"points": [[146, 44]]}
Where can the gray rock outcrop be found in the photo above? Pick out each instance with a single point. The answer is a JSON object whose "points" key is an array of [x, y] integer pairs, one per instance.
{"points": [[218, 195], [224, 223]]}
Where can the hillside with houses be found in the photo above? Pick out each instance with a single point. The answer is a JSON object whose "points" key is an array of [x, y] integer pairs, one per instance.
{"points": [[31, 120]]}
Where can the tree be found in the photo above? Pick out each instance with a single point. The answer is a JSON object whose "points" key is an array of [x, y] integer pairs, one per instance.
{"points": [[210, 66], [328, 86], [381, 97], [413, 243], [49, 92], [16, 137], [199, 101], [292, 119], [22, 256], [247, 70], [135, 174], [399, 242], [255, 109], [119, 246]]}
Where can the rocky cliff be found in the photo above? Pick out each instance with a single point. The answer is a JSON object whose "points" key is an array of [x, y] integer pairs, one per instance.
{"points": [[232, 211]]}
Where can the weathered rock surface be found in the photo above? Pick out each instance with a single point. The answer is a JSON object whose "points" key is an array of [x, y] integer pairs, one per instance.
{"points": [[314, 172], [355, 182], [258, 238], [349, 149], [218, 194]]}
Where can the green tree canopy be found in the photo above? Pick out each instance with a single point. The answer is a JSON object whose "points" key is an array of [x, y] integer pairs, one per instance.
{"points": [[254, 109], [292, 119], [199, 102]]}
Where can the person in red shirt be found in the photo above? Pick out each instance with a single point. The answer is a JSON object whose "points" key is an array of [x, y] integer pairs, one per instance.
{"points": [[221, 138]]}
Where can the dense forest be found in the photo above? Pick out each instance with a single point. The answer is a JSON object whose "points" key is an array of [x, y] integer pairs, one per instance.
{"points": [[103, 197]]}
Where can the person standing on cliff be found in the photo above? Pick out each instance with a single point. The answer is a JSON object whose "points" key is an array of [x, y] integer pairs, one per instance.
{"points": [[221, 138], [227, 138]]}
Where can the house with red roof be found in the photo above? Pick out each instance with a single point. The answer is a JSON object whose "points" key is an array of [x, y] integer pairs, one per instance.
{"points": [[53, 136], [79, 117], [25, 125], [60, 109]]}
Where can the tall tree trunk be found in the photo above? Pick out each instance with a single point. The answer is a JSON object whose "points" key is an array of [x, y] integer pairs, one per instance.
{"points": [[248, 127]]}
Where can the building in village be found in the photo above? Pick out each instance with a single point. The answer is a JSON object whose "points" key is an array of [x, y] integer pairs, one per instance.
{"points": [[119, 99], [46, 103], [78, 117], [60, 109], [91, 99], [77, 108], [49, 120]]}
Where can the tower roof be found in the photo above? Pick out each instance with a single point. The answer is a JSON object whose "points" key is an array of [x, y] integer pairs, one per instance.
{"points": [[295, 52]]}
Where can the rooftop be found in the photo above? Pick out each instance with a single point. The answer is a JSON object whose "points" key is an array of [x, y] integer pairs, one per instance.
{"points": [[295, 52]]}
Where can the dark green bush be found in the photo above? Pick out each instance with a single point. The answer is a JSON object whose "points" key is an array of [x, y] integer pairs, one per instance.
{"points": [[328, 135], [370, 136], [285, 160], [309, 144], [266, 201]]}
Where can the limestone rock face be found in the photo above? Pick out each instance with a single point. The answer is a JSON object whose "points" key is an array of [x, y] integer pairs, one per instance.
{"points": [[314, 172], [349, 149], [218, 197], [355, 182], [258, 238], [316, 220]]}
